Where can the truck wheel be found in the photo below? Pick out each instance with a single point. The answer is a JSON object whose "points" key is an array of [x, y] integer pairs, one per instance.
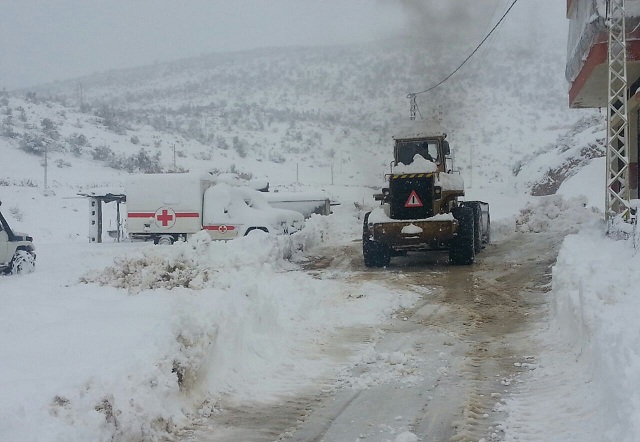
{"points": [[375, 254], [164, 240], [462, 250], [23, 263], [256, 229]]}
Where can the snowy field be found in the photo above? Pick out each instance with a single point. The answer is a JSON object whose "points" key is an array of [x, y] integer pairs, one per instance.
{"points": [[128, 341]]}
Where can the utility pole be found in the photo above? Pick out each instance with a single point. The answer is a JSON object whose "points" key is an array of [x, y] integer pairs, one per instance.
{"points": [[46, 164], [174, 157], [618, 186], [471, 166], [80, 98]]}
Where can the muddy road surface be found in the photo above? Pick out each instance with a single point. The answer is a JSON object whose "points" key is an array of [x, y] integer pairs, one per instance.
{"points": [[439, 370]]}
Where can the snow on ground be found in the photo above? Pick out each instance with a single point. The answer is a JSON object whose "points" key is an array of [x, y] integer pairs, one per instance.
{"points": [[125, 340], [584, 386], [95, 346]]}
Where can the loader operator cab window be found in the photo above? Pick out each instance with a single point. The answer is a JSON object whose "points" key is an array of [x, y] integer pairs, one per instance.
{"points": [[408, 149]]}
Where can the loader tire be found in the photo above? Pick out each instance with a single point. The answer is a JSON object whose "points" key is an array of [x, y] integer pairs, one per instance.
{"points": [[487, 237], [375, 254], [462, 250], [477, 229]]}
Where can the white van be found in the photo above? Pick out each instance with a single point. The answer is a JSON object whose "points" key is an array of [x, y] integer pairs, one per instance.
{"points": [[17, 252]]}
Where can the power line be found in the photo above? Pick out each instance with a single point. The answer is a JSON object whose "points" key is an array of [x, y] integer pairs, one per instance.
{"points": [[470, 55], [463, 90]]}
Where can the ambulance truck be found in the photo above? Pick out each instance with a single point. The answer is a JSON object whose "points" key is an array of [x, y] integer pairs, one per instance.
{"points": [[169, 207]]}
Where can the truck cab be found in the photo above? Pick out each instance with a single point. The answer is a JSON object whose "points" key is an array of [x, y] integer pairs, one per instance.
{"points": [[17, 252]]}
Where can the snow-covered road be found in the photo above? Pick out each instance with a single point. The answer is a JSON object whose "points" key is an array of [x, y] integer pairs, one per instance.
{"points": [[440, 370]]}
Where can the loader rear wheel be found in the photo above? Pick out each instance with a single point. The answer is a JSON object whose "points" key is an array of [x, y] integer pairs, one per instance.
{"points": [[462, 251], [487, 238], [477, 229]]}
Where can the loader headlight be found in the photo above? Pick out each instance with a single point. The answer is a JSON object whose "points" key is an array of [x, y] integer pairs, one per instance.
{"points": [[437, 191]]}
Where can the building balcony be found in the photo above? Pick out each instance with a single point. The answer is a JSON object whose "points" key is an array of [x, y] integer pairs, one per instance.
{"points": [[587, 69]]}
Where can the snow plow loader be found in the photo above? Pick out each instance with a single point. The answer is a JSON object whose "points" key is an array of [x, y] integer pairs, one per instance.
{"points": [[421, 206]]}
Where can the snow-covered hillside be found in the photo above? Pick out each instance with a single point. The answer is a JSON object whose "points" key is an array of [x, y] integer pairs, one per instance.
{"points": [[313, 115]]}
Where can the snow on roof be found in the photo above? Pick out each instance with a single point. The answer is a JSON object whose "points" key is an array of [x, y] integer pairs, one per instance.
{"points": [[418, 165], [419, 129], [586, 25], [151, 179]]}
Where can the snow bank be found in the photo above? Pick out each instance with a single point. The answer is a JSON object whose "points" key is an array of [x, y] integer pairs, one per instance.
{"points": [[556, 213], [139, 347], [596, 307], [197, 264]]}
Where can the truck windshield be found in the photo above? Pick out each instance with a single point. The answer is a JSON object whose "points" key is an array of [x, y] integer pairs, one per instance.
{"points": [[406, 150]]}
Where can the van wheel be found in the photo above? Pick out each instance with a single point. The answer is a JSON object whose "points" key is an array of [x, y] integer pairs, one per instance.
{"points": [[23, 263]]}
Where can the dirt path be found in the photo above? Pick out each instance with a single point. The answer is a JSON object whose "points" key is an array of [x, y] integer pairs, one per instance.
{"points": [[440, 368]]}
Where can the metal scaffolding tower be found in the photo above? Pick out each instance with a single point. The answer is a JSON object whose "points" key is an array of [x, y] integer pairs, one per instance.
{"points": [[618, 188]]}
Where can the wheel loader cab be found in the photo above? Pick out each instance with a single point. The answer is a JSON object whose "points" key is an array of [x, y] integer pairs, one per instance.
{"points": [[420, 210], [431, 149]]}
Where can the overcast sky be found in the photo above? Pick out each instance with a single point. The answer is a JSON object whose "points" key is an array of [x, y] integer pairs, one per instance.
{"points": [[48, 40]]}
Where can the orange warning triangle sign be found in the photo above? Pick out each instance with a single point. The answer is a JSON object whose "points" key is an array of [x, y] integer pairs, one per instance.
{"points": [[413, 200]]}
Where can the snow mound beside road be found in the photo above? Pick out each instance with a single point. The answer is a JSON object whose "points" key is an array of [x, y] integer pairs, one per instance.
{"points": [[200, 262], [209, 320], [596, 307], [556, 214]]}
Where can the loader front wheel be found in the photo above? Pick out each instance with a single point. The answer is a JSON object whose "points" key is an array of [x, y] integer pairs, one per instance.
{"points": [[375, 254]]}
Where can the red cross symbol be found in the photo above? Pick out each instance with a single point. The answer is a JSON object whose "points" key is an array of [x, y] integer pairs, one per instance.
{"points": [[166, 217]]}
